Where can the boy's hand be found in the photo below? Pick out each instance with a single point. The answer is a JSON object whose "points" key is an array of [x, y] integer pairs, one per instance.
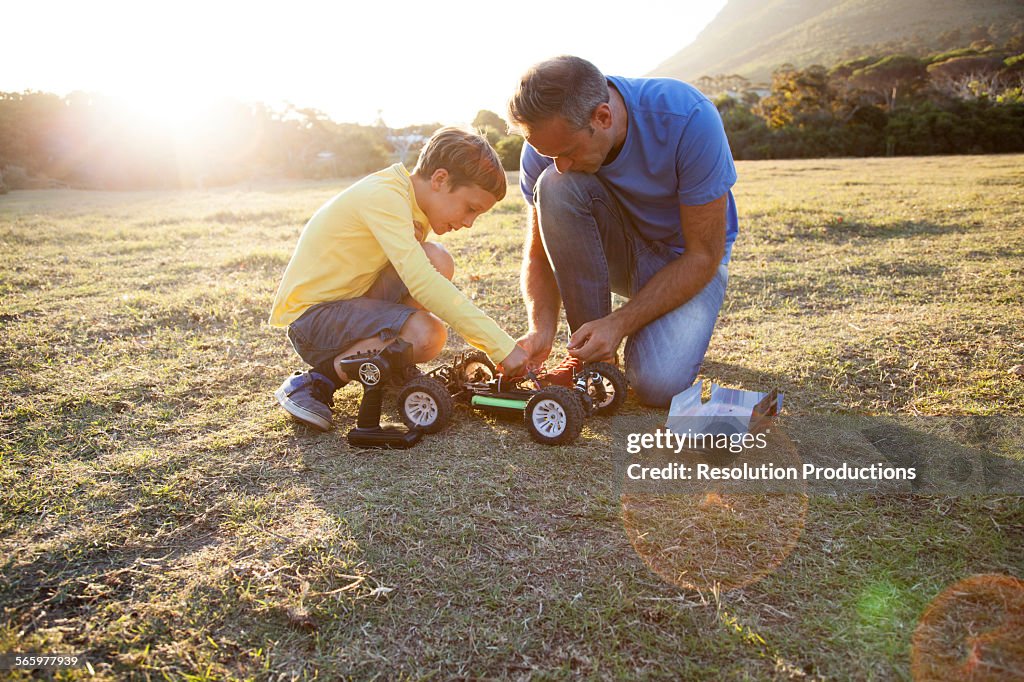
{"points": [[538, 348], [515, 364]]}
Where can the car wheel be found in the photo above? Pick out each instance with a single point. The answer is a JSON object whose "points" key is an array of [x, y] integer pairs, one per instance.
{"points": [[425, 404], [554, 416], [607, 387]]}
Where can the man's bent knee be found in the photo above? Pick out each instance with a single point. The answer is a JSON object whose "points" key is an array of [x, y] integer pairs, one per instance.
{"points": [[426, 333], [657, 388], [440, 259]]}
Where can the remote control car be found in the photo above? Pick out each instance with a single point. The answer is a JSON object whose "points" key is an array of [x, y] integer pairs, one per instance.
{"points": [[553, 414]]}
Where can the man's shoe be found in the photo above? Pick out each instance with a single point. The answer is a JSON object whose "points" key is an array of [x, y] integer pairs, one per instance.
{"points": [[563, 374], [308, 396]]}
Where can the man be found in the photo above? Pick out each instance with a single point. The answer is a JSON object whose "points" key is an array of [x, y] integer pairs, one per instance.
{"points": [[629, 182]]}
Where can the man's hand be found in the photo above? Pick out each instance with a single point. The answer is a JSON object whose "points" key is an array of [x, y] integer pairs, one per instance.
{"points": [[597, 340], [515, 364], [538, 348]]}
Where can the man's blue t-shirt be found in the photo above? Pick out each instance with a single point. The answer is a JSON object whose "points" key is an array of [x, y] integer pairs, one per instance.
{"points": [[675, 153]]}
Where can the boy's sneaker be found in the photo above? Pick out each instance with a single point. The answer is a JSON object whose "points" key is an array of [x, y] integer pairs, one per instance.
{"points": [[308, 396], [563, 374]]}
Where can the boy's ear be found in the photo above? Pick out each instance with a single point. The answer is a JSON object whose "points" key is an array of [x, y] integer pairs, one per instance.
{"points": [[439, 179]]}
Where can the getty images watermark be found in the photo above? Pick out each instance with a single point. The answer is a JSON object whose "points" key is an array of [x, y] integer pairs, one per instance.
{"points": [[830, 455], [736, 443]]}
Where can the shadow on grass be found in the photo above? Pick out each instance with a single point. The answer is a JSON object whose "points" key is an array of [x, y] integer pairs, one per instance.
{"points": [[185, 558], [163, 518], [477, 553], [487, 538]]}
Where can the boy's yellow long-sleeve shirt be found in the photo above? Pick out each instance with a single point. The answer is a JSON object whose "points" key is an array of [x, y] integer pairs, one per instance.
{"points": [[351, 239]]}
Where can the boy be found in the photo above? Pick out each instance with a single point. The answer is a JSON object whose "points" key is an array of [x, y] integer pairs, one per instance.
{"points": [[362, 274]]}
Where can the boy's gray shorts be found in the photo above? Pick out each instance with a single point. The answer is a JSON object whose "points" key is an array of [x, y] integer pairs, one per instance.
{"points": [[327, 329]]}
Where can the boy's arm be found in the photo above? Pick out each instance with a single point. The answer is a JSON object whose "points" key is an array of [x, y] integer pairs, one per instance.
{"points": [[391, 225]]}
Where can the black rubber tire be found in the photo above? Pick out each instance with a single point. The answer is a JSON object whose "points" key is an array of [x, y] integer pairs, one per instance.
{"points": [[614, 376], [442, 403], [474, 357], [571, 410]]}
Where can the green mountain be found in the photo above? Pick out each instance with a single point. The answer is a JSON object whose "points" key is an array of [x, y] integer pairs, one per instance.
{"points": [[753, 37]]}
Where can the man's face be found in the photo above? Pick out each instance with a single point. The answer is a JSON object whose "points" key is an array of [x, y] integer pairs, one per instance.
{"points": [[456, 209], [582, 150]]}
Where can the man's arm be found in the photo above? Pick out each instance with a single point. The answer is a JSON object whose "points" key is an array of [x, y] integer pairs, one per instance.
{"points": [[540, 293], [673, 285]]}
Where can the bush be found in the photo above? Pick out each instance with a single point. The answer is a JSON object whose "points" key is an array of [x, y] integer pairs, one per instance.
{"points": [[509, 149], [357, 153], [963, 127], [14, 177]]}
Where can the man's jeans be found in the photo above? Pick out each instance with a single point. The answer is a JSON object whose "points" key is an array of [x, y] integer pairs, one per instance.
{"points": [[594, 249]]}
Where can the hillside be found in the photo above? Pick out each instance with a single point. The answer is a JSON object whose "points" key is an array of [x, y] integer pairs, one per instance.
{"points": [[804, 32]]}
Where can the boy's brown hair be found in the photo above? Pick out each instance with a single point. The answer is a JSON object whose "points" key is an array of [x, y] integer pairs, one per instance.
{"points": [[467, 157]]}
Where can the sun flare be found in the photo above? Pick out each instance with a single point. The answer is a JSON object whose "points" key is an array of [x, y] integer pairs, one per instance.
{"points": [[168, 112]]}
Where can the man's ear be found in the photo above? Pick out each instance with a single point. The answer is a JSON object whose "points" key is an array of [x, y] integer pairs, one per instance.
{"points": [[602, 116], [439, 179]]}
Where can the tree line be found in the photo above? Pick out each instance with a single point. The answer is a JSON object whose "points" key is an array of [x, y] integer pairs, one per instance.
{"points": [[961, 101], [90, 141]]}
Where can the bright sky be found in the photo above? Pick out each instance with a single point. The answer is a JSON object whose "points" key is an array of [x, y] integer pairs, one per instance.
{"points": [[415, 62]]}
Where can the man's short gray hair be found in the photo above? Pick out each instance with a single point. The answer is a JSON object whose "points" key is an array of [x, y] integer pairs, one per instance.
{"points": [[564, 86]]}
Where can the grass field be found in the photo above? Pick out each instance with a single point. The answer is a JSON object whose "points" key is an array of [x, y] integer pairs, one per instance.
{"points": [[160, 513]]}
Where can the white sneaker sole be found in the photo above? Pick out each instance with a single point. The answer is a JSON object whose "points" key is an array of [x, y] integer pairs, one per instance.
{"points": [[301, 413]]}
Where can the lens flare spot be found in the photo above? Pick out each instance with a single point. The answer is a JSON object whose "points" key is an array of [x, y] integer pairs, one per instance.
{"points": [[717, 538], [973, 631], [700, 542]]}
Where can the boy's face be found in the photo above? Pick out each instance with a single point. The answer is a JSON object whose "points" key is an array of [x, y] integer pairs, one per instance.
{"points": [[451, 210]]}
